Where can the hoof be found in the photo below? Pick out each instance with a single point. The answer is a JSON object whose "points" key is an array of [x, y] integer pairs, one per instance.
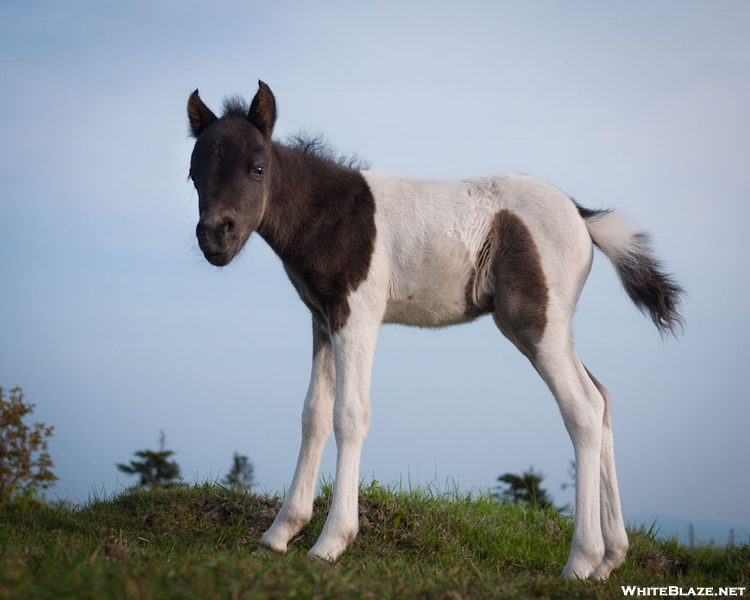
{"points": [[267, 551], [578, 569], [326, 558], [608, 564]]}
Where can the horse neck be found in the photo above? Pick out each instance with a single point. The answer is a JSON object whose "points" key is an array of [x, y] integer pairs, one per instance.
{"points": [[297, 188]]}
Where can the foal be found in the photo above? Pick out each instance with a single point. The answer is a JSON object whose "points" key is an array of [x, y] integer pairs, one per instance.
{"points": [[364, 248]]}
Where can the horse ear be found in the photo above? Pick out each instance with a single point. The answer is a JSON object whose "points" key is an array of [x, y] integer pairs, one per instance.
{"points": [[199, 114], [263, 110]]}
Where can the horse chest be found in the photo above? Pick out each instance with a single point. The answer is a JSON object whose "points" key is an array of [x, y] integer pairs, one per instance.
{"points": [[312, 300]]}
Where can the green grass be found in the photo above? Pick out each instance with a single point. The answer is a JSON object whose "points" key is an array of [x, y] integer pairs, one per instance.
{"points": [[198, 543]]}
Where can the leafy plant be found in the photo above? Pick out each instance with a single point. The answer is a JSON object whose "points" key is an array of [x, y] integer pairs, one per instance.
{"points": [[25, 463]]}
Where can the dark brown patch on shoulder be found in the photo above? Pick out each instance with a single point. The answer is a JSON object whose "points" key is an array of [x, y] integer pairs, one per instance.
{"points": [[508, 280], [320, 220]]}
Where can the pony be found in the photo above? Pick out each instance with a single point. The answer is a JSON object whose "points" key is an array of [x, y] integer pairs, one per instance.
{"points": [[363, 248]]}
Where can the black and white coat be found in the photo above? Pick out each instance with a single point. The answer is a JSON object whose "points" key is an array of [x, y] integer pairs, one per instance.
{"points": [[364, 248]]}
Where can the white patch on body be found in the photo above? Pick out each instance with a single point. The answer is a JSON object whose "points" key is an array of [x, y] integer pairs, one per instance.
{"points": [[429, 234]]}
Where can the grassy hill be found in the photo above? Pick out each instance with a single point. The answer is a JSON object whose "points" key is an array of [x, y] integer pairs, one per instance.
{"points": [[198, 543]]}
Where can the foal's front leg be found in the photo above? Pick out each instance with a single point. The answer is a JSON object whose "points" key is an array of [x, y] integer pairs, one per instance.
{"points": [[354, 349], [317, 418]]}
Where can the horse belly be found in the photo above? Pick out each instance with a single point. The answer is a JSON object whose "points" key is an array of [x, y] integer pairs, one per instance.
{"points": [[430, 289]]}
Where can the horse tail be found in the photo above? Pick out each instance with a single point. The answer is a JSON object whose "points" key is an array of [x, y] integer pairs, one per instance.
{"points": [[653, 291]]}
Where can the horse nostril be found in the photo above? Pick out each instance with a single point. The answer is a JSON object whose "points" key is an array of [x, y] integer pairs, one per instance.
{"points": [[200, 232], [228, 225]]}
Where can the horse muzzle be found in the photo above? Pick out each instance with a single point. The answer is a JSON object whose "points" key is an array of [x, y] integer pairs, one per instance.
{"points": [[218, 239]]}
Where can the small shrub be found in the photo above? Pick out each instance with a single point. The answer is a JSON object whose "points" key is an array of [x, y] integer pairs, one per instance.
{"points": [[154, 469], [25, 463], [241, 475]]}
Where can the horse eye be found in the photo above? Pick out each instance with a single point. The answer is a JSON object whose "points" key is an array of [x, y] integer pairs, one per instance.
{"points": [[259, 171]]}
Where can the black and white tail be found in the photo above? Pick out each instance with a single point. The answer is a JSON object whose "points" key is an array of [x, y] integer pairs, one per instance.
{"points": [[651, 289]]}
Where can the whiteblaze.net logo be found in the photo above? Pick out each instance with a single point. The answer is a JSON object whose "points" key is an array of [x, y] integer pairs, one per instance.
{"points": [[673, 590]]}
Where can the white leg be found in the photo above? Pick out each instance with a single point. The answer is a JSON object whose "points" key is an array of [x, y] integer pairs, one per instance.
{"points": [[582, 408], [317, 418], [613, 526], [354, 349]]}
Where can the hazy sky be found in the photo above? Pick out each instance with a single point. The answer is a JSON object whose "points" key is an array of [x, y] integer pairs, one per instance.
{"points": [[115, 326]]}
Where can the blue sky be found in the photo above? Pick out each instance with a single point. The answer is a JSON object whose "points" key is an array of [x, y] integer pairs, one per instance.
{"points": [[115, 326]]}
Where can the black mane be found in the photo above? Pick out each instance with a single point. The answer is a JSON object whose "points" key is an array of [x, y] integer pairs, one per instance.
{"points": [[317, 146], [310, 144], [235, 106]]}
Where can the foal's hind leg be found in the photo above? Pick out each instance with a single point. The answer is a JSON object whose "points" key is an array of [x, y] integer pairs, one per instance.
{"points": [[613, 526], [317, 422], [538, 323], [582, 409]]}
